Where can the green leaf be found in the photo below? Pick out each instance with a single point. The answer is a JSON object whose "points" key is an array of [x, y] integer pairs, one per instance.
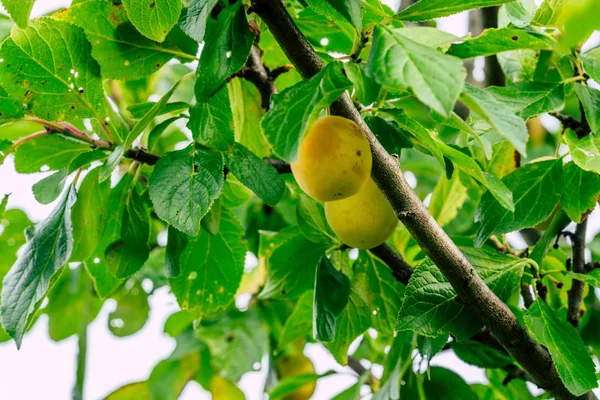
{"points": [[312, 222], [211, 123], [89, 215], [297, 107], [53, 151], [398, 62], [47, 250], [585, 152], [429, 9], [211, 221], [340, 11], [299, 323], [10, 108], [153, 18], [530, 99], [139, 110], [431, 306], [48, 189], [236, 342], [548, 12], [444, 384], [247, 113], [493, 41], [428, 36], [574, 364], [184, 185], [447, 198], [417, 130], [590, 99], [19, 10], [591, 63], [366, 89], [127, 255], [397, 357], [176, 243], [467, 164], [389, 134], [193, 23], [291, 266], [521, 12], [429, 346], [71, 304], [131, 312], [537, 188], [111, 162], [581, 193], [354, 320], [122, 52], [498, 115], [3, 204], [591, 278], [380, 290], [332, 289], [211, 268], [49, 67], [131, 391], [231, 41], [290, 384], [481, 355], [261, 177]]}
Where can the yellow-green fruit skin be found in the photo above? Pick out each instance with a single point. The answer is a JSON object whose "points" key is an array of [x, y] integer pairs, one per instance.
{"points": [[334, 160], [364, 220], [292, 365]]}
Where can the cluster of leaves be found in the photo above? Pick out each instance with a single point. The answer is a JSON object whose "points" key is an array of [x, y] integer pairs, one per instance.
{"points": [[143, 148]]}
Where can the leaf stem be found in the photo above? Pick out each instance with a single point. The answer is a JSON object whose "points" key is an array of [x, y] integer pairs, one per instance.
{"points": [[574, 79], [78, 390]]}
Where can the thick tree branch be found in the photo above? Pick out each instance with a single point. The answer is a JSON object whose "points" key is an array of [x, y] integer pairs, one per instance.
{"points": [[412, 213], [576, 292]]}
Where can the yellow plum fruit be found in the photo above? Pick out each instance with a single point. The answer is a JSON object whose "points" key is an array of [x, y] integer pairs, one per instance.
{"points": [[290, 365], [334, 160], [364, 220]]}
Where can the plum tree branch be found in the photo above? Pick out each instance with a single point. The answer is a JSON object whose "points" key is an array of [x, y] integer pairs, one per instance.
{"points": [[576, 291], [422, 226]]}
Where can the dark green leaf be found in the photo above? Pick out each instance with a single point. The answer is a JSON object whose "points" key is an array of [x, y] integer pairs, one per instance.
{"points": [[444, 384], [261, 177], [194, 21], [431, 306], [493, 41], [211, 123], [537, 188], [184, 185], [500, 116], [574, 364], [481, 355], [53, 151], [399, 63], [176, 243], [127, 255], [366, 89], [48, 248], [332, 289], [230, 40], [429, 9], [212, 220], [530, 99], [211, 268], [297, 107], [153, 18], [10, 109], [590, 99], [429, 346], [392, 138]]}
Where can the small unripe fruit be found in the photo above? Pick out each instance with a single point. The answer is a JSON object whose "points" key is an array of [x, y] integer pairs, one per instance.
{"points": [[290, 365], [334, 160], [364, 220]]}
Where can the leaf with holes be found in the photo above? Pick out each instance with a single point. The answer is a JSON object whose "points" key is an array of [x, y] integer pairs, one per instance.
{"points": [[184, 185], [49, 67]]}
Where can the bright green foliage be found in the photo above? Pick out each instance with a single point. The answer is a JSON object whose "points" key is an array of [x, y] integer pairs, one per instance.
{"points": [[51, 59], [574, 364], [153, 18], [301, 104], [162, 132], [398, 62]]}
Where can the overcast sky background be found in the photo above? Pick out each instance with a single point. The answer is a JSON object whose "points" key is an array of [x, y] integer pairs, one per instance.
{"points": [[44, 369]]}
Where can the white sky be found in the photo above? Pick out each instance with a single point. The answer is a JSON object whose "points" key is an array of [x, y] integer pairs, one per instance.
{"points": [[46, 369]]}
